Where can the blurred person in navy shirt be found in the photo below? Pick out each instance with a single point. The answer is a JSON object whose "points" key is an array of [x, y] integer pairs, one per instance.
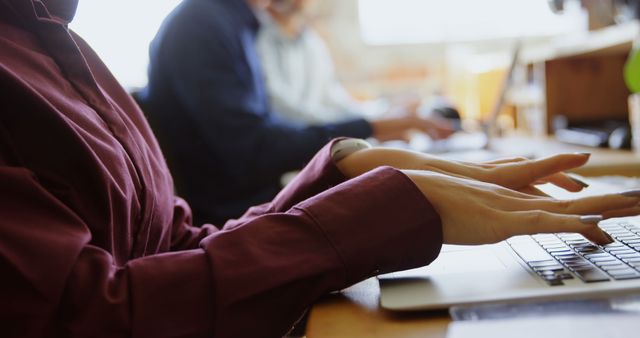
{"points": [[207, 102]]}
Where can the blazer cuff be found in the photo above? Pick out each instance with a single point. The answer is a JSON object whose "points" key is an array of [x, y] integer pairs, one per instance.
{"points": [[377, 223]]}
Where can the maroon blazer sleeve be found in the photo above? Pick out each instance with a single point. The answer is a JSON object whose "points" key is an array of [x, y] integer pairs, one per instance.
{"points": [[317, 176], [283, 261], [185, 236], [253, 280]]}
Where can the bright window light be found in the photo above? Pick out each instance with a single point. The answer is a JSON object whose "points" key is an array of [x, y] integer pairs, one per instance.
{"points": [[386, 22], [120, 32]]}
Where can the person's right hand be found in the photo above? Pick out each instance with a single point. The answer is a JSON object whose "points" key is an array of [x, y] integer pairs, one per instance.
{"points": [[474, 212]]}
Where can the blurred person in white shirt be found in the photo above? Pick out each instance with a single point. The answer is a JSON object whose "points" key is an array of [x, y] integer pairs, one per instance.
{"points": [[299, 73]]}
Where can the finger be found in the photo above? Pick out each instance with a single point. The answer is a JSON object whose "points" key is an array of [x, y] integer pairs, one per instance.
{"points": [[507, 160], [531, 190], [581, 206], [613, 204], [523, 173], [565, 181], [590, 205], [538, 221], [622, 212]]}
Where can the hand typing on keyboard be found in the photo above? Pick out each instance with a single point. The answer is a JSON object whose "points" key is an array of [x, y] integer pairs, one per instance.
{"points": [[474, 212], [490, 202]]}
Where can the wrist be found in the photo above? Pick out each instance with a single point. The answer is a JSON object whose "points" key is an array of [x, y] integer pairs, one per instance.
{"points": [[346, 147]]}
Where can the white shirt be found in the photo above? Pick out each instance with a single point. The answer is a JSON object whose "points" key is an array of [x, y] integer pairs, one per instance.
{"points": [[300, 77]]}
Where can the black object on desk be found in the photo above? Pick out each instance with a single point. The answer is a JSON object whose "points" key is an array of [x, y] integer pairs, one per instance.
{"points": [[610, 133]]}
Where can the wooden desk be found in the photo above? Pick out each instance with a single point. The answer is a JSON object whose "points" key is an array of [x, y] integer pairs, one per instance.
{"points": [[355, 313]]}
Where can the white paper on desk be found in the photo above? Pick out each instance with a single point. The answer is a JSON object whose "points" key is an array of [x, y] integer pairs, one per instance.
{"points": [[587, 326]]}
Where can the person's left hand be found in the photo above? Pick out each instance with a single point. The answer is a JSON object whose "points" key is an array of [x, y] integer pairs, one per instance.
{"points": [[515, 173]]}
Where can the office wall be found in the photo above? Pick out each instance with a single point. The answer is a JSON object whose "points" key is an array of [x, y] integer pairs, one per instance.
{"points": [[370, 71]]}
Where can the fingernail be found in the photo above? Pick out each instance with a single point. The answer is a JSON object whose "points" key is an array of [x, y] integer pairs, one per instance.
{"points": [[631, 193], [608, 237], [585, 154], [590, 219], [580, 182]]}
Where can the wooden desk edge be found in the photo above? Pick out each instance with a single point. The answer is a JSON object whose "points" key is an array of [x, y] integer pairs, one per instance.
{"points": [[355, 312]]}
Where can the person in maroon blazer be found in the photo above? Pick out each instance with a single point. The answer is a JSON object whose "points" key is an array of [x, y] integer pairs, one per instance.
{"points": [[94, 243]]}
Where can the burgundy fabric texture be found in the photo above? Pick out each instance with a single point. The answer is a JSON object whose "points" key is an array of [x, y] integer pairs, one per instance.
{"points": [[93, 242]]}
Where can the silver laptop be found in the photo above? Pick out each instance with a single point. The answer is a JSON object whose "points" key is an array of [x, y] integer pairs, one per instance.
{"points": [[477, 145], [522, 268]]}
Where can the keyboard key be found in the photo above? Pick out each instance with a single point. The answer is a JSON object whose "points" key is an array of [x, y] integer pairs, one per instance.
{"points": [[610, 263], [569, 235], [549, 269], [624, 277], [542, 264], [635, 261], [617, 269], [566, 256], [564, 275], [614, 245], [624, 250], [544, 236], [605, 256], [592, 275], [612, 228], [549, 247], [588, 249], [580, 267], [635, 266], [624, 274], [554, 282], [560, 251], [577, 264], [575, 261], [578, 242], [552, 278]]}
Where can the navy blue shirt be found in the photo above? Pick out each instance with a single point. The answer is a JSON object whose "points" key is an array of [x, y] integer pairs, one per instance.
{"points": [[207, 102]]}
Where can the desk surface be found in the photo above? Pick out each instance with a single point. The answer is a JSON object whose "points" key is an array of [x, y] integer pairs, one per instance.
{"points": [[355, 313]]}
